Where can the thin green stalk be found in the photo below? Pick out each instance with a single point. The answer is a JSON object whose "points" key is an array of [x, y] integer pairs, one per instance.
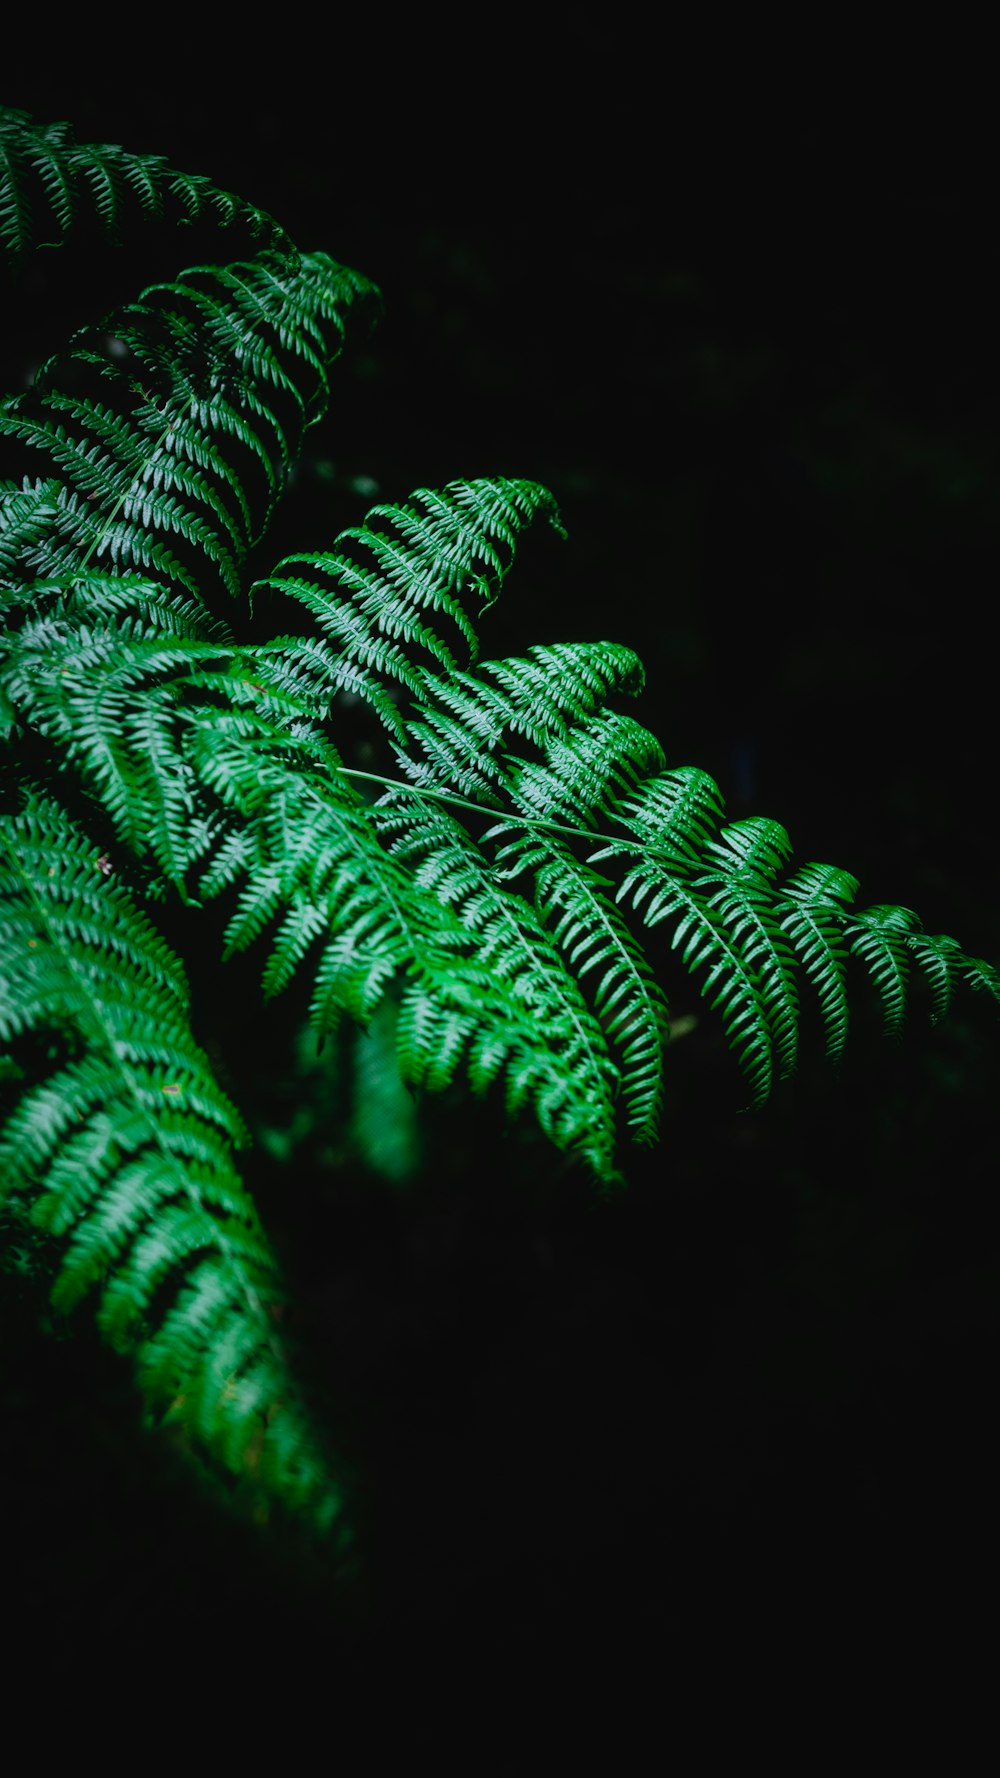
{"points": [[462, 802]]}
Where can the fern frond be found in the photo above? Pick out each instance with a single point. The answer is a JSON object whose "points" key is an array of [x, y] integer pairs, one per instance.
{"points": [[68, 534], [460, 722], [593, 937], [736, 927], [676, 814], [124, 1151], [176, 745], [880, 936], [26, 513], [141, 605], [660, 891], [418, 910], [513, 947], [749, 855], [559, 685], [979, 974], [811, 912], [403, 564], [304, 671], [51, 185], [94, 696], [585, 774], [198, 387]]}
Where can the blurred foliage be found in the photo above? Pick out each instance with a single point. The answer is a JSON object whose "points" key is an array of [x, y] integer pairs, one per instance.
{"points": [[344, 1104]]}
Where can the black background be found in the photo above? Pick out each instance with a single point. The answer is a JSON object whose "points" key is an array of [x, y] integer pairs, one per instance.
{"points": [[746, 332]]}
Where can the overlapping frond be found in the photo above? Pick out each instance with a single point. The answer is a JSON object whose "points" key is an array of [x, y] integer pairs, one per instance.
{"points": [[122, 1150], [539, 743], [229, 785], [162, 438], [594, 939], [515, 953], [216, 758], [380, 593], [403, 898]]}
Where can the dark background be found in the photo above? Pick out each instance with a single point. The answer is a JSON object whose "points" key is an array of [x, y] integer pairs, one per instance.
{"points": [[747, 334]]}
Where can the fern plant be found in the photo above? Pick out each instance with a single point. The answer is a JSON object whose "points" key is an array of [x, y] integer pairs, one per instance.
{"points": [[485, 896]]}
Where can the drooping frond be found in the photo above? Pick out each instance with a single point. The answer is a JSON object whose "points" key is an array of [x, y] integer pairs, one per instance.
{"points": [[593, 939], [312, 858], [514, 950], [51, 185], [122, 1149], [810, 910], [538, 743], [215, 759], [229, 787]]}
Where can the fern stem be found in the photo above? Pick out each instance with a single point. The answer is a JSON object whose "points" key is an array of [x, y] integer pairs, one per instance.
{"points": [[462, 802]]}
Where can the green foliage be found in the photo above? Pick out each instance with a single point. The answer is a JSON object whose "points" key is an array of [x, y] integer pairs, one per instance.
{"points": [[53, 185], [460, 916], [124, 1145]]}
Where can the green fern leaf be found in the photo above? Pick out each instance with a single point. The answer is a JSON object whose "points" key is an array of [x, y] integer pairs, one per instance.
{"points": [[592, 936], [50, 184], [124, 1151], [811, 912]]}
